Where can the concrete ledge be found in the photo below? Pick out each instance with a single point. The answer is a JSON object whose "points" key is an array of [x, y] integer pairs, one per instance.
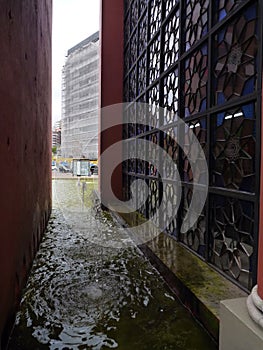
{"points": [[200, 310], [199, 287], [237, 330]]}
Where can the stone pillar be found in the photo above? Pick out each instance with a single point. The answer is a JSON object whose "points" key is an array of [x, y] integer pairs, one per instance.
{"points": [[111, 90]]}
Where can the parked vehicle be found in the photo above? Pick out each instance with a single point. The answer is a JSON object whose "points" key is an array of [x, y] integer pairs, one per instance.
{"points": [[54, 166], [64, 167], [94, 170]]}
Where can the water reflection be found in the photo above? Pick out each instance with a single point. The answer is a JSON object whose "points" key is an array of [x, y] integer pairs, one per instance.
{"points": [[86, 296]]}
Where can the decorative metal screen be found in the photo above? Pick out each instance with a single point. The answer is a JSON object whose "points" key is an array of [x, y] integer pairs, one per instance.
{"points": [[201, 61]]}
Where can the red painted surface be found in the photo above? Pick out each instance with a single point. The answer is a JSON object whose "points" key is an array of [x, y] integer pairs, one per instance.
{"points": [[111, 87], [25, 143], [260, 233]]}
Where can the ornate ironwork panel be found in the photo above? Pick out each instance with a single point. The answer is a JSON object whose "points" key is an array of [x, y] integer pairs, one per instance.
{"points": [[155, 58], [142, 197], [154, 101], [196, 22], [132, 159], [233, 237], [142, 43], [224, 7], [127, 29], [141, 164], [134, 14], [142, 5], [196, 128], [133, 84], [171, 97], [132, 119], [171, 40], [155, 16], [170, 145], [140, 115], [133, 49], [169, 5], [127, 60], [126, 90], [153, 201], [201, 61], [169, 215], [196, 77], [236, 47], [234, 148], [195, 237], [142, 83], [153, 155]]}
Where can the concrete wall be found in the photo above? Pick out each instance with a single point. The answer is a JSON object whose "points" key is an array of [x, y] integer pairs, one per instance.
{"points": [[25, 143]]}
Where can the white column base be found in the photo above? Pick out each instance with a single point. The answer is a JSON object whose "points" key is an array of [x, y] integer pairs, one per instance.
{"points": [[237, 330], [255, 306]]}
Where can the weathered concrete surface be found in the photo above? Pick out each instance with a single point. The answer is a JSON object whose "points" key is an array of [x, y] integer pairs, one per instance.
{"points": [[197, 284], [237, 330], [25, 139], [199, 287]]}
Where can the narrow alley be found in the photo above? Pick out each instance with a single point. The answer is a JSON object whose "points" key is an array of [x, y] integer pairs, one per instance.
{"points": [[81, 295], [154, 126]]}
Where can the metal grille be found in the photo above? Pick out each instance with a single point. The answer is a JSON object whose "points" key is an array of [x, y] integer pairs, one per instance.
{"points": [[200, 61]]}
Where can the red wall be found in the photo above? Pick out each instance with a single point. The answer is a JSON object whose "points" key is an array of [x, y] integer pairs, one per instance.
{"points": [[111, 89], [25, 143], [260, 232]]}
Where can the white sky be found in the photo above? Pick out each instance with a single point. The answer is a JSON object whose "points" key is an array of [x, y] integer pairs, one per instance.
{"points": [[73, 21]]}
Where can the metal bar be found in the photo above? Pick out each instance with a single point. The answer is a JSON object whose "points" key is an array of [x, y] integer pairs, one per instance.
{"points": [[208, 133], [258, 189]]}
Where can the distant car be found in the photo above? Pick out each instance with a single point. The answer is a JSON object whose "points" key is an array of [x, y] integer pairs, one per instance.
{"points": [[54, 166], [94, 170], [64, 168]]}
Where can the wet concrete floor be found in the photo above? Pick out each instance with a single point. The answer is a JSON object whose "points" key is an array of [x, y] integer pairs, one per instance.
{"points": [[84, 293]]}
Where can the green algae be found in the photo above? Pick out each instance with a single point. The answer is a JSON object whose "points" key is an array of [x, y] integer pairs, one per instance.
{"points": [[205, 286], [208, 285]]}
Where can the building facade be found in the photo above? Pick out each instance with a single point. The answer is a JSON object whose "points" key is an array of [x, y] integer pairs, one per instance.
{"points": [[79, 129], [56, 134]]}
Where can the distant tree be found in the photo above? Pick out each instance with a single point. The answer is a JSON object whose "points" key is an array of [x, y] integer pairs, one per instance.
{"points": [[54, 150]]}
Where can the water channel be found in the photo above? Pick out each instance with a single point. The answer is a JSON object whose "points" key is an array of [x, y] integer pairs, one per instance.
{"points": [[85, 295]]}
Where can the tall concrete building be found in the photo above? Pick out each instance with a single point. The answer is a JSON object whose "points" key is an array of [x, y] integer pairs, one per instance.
{"points": [[56, 134], [79, 129]]}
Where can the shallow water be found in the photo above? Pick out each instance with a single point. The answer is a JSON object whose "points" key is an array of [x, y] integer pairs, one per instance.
{"points": [[84, 295]]}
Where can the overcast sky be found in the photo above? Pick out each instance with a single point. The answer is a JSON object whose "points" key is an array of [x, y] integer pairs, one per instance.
{"points": [[73, 21]]}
